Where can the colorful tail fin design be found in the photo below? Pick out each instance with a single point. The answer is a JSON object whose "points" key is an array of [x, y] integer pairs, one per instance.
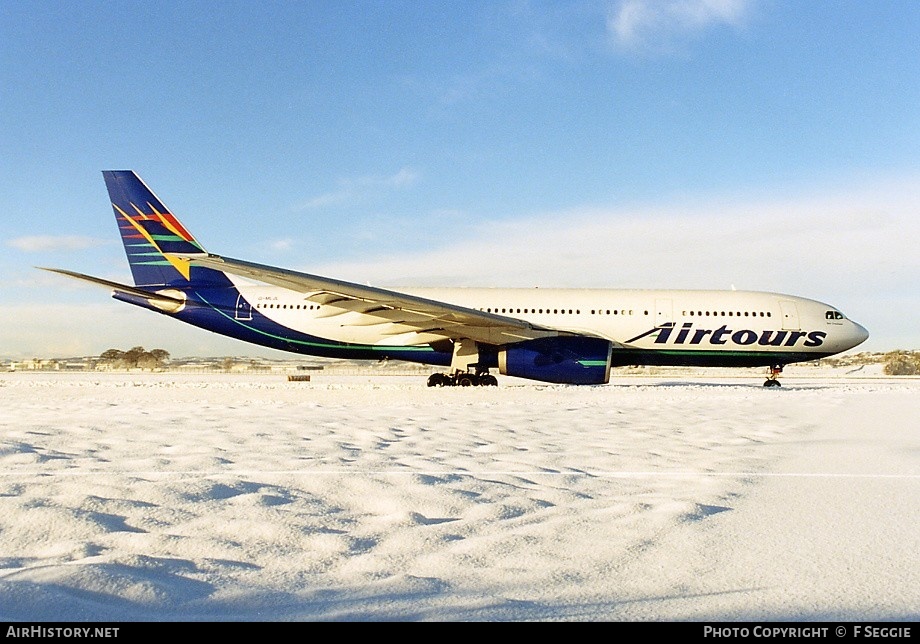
{"points": [[148, 230]]}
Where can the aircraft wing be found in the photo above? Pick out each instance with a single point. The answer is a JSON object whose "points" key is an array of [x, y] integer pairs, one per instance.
{"points": [[407, 313]]}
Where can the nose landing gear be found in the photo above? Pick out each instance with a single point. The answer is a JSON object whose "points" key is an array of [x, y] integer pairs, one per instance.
{"points": [[773, 378]]}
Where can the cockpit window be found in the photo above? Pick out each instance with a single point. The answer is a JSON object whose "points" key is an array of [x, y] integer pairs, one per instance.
{"points": [[834, 315]]}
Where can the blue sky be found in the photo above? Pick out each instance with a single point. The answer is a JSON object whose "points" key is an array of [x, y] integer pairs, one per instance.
{"points": [[688, 144]]}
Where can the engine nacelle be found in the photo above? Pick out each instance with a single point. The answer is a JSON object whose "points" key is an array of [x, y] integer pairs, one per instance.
{"points": [[572, 360]]}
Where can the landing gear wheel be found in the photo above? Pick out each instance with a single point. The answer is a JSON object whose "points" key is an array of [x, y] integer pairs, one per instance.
{"points": [[484, 379], [772, 379], [438, 380]]}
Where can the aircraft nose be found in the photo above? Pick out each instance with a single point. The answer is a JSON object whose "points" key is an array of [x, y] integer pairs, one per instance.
{"points": [[859, 334]]}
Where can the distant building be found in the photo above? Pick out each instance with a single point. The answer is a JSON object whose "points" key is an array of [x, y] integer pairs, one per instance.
{"points": [[35, 364]]}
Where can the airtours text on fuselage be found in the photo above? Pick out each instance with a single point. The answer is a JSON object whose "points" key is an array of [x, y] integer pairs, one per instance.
{"points": [[688, 335]]}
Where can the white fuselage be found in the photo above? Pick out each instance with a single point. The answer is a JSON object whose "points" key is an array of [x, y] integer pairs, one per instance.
{"points": [[639, 319]]}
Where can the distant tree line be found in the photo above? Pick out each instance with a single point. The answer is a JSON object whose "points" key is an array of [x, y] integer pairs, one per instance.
{"points": [[135, 358], [902, 363]]}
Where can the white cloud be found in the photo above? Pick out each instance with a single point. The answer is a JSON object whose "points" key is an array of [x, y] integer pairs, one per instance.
{"points": [[281, 245], [403, 178], [655, 24], [325, 200], [45, 243], [690, 245], [355, 188]]}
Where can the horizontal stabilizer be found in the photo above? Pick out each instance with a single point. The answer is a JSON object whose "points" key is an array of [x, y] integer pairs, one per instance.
{"points": [[118, 288]]}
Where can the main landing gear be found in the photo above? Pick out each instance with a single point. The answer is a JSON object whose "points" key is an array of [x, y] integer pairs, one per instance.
{"points": [[462, 379], [773, 378], [466, 369]]}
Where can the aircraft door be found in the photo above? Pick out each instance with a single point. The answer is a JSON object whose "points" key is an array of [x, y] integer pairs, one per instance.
{"points": [[243, 308], [790, 315], [664, 312]]}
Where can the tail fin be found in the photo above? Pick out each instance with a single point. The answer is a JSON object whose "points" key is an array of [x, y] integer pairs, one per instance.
{"points": [[149, 231]]}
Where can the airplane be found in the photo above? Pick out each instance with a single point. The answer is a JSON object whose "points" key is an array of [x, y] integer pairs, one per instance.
{"points": [[566, 336]]}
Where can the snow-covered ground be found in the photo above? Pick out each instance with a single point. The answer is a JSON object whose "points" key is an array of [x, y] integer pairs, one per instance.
{"points": [[658, 497]]}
